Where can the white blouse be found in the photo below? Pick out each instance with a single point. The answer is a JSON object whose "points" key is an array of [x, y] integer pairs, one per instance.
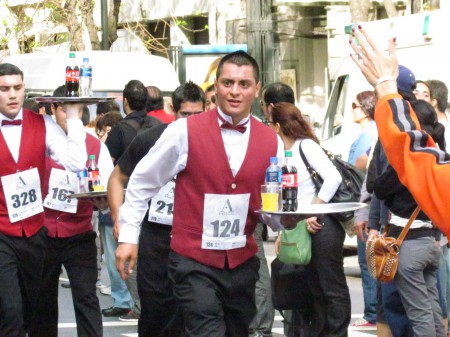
{"points": [[319, 161]]}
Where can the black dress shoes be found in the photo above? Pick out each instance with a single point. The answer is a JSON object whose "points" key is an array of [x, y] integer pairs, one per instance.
{"points": [[114, 311]]}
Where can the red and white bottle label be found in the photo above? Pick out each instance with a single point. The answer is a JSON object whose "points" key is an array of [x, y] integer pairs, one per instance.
{"points": [[290, 180]]}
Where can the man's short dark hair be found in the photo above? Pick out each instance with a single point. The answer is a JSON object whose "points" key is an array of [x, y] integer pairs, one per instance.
{"points": [[10, 69], [239, 58], [155, 100], [210, 88], [278, 93], [60, 91], [136, 94], [31, 104], [439, 92], [104, 107], [188, 92]]}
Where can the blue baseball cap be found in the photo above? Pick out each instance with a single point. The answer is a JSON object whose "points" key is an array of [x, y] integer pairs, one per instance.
{"points": [[406, 79]]}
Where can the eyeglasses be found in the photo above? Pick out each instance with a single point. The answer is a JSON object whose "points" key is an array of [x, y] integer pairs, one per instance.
{"points": [[267, 122], [188, 113], [356, 105]]}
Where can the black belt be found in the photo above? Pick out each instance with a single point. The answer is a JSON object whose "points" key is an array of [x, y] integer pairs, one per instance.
{"points": [[413, 233]]}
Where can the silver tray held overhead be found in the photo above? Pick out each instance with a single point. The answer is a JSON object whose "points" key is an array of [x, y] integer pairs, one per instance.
{"points": [[82, 100]]}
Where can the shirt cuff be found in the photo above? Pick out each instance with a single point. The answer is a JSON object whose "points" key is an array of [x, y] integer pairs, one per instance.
{"points": [[129, 234]]}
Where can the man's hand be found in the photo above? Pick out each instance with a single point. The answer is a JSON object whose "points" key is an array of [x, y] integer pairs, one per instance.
{"points": [[126, 252], [73, 110], [100, 202], [361, 230]]}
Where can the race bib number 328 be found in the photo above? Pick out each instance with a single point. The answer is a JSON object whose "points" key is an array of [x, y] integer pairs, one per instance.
{"points": [[23, 194]]}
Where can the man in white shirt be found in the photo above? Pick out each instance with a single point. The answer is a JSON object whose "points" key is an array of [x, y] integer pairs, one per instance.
{"points": [[25, 139], [219, 158]]}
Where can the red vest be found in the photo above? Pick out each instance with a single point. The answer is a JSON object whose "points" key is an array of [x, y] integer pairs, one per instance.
{"points": [[63, 224], [208, 171], [31, 155]]}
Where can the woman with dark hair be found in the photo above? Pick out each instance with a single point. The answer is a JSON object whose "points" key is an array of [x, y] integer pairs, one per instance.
{"points": [[363, 114], [331, 311], [105, 123], [416, 278]]}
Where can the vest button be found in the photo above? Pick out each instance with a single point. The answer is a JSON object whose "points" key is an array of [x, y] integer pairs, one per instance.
{"points": [[233, 186]]}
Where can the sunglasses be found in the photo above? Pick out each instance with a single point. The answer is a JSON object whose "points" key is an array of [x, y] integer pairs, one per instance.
{"points": [[356, 105]]}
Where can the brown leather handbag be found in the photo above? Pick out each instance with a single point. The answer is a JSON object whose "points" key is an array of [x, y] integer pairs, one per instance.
{"points": [[382, 252]]}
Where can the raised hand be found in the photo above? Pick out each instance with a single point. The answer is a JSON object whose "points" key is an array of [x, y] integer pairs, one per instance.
{"points": [[380, 69]]}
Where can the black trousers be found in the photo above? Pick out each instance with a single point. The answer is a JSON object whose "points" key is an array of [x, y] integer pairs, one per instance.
{"points": [[21, 266], [331, 298], [160, 314], [78, 254], [214, 302]]}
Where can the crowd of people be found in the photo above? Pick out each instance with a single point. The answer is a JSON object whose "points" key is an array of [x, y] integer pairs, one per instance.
{"points": [[189, 215]]}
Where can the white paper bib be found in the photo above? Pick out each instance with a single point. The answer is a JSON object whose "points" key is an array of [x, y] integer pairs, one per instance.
{"points": [[161, 206], [23, 194], [224, 219], [61, 184]]}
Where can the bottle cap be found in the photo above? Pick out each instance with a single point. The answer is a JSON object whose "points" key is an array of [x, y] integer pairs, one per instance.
{"points": [[288, 153], [72, 55], [274, 160], [85, 59], [92, 156]]}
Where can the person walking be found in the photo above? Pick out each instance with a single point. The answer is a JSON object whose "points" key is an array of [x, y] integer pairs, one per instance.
{"points": [[71, 240], [331, 310], [212, 263], [25, 139], [160, 315]]}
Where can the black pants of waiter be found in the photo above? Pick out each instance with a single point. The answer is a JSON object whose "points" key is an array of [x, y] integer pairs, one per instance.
{"points": [[78, 254], [214, 302], [160, 315], [21, 266]]}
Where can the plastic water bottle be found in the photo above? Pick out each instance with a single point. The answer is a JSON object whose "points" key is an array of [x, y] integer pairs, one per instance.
{"points": [[85, 78], [273, 173], [290, 184], [83, 181], [72, 77]]}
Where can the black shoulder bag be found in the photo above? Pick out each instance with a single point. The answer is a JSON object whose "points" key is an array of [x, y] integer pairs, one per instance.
{"points": [[349, 190]]}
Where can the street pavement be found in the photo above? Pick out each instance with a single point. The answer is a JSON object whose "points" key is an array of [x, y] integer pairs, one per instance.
{"points": [[115, 328]]}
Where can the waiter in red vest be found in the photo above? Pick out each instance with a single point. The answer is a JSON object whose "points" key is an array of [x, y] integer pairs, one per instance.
{"points": [[219, 159], [25, 139]]}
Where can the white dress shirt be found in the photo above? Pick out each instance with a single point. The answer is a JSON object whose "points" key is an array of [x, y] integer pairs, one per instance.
{"points": [[166, 158], [68, 151]]}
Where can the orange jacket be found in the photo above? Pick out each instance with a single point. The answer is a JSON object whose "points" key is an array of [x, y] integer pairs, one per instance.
{"points": [[420, 166]]}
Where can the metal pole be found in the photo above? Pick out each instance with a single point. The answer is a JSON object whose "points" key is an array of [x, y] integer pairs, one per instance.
{"points": [[261, 42], [104, 21]]}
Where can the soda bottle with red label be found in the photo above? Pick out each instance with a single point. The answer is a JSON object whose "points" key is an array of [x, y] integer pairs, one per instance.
{"points": [[290, 183], [72, 77], [93, 172]]}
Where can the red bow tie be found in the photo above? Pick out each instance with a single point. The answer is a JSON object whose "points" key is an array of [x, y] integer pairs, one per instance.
{"points": [[14, 122], [227, 125]]}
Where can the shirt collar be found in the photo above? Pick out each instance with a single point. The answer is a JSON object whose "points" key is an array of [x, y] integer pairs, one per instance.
{"points": [[229, 119], [18, 116]]}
